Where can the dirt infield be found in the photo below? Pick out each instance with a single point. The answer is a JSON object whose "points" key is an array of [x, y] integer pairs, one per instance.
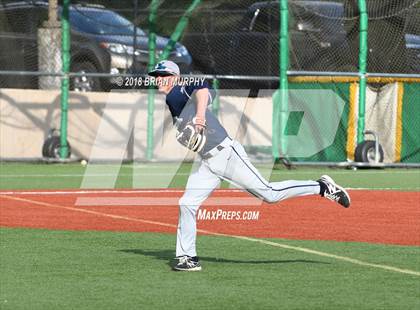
{"points": [[387, 217]]}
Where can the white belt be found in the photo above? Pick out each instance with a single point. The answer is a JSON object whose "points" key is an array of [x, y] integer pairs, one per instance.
{"points": [[214, 151]]}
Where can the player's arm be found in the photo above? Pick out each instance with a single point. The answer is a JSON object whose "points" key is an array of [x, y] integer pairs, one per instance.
{"points": [[202, 96]]}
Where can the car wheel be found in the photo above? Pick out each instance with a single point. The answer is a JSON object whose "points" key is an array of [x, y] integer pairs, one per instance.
{"points": [[365, 152], [51, 148], [84, 83]]}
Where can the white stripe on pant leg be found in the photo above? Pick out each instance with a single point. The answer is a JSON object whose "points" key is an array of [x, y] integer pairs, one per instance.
{"points": [[288, 189]]}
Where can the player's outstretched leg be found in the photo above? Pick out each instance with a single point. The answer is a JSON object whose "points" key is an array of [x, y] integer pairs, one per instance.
{"points": [[324, 186], [240, 171]]}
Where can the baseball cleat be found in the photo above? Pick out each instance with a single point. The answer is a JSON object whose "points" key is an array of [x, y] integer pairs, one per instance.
{"points": [[333, 191], [187, 263]]}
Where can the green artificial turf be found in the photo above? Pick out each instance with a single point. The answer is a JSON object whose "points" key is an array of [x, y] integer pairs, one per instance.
{"points": [[43, 269], [162, 175]]}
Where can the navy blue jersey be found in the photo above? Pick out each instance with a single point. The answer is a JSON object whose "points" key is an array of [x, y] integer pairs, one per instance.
{"points": [[183, 106], [179, 96]]}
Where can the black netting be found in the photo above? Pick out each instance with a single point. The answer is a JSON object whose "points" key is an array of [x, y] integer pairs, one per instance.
{"points": [[243, 39], [318, 37], [18, 36], [222, 37], [394, 29]]}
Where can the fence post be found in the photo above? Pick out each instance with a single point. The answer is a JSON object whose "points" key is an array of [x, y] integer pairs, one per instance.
{"points": [[151, 91], [280, 100], [363, 50], [49, 49], [65, 79]]}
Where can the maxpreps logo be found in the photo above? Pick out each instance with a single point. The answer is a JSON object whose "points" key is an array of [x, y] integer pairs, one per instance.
{"points": [[220, 214]]}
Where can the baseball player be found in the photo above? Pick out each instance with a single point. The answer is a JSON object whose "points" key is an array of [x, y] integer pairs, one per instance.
{"points": [[222, 158]]}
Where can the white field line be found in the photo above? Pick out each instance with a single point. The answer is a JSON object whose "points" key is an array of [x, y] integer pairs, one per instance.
{"points": [[166, 190], [98, 191], [165, 201], [266, 242], [99, 175]]}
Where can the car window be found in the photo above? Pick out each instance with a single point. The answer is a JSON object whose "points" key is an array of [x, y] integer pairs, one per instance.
{"points": [[259, 22], [5, 25], [266, 19], [23, 20], [17, 19], [96, 21]]}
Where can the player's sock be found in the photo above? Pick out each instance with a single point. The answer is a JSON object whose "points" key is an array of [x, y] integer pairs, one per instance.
{"points": [[322, 188]]}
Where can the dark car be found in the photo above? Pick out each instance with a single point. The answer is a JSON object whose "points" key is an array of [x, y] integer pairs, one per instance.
{"points": [[319, 40], [126, 44], [101, 41], [252, 46]]}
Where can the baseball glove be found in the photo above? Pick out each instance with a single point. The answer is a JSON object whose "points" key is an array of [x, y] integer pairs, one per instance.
{"points": [[192, 139]]}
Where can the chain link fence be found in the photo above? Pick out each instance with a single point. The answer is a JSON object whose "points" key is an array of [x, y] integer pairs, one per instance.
{"points": [[236, 40], [224, 38]]}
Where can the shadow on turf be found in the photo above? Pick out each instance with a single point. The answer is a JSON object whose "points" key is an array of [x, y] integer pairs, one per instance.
{"points": [[169, 256]]}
